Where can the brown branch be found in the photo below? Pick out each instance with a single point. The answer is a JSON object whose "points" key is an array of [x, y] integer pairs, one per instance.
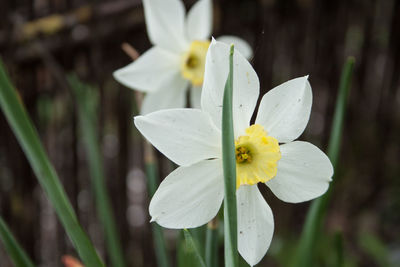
{"points": [[55, 23]]}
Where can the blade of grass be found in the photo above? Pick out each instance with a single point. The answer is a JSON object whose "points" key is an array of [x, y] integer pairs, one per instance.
{"points": [[185, 254], [28, 138], [192, 245], [212, 243], [229, 166], [316, 213], [374, 247], [199, 236], [87, 118], [339, 249], [14, 250], [152, 183]]}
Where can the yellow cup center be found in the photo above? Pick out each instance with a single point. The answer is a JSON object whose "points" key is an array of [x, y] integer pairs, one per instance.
{"points": [[193, 61], [257, 155]]}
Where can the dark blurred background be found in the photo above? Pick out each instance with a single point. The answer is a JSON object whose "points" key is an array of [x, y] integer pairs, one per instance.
{"points": [[290, 38]]}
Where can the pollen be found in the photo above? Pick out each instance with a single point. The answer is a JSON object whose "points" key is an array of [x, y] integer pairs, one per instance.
{"points": [[193, 62], [257, 156]]}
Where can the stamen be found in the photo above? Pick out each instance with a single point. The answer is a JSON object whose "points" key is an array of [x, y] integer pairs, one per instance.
{"points": [[243, 155]]}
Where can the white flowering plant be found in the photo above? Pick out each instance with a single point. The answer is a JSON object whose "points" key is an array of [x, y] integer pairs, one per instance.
{"points": [[176, 60], [266, 152]]}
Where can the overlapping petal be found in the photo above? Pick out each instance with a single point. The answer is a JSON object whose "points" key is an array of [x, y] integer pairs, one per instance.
{"points": [[195, 97], [185, 136], [153, 70], [245, 86], [285, 110], [165, 22], [304, 173], [173, 95], [255, 224], [241, 45], [190, 196], [199, 21]]}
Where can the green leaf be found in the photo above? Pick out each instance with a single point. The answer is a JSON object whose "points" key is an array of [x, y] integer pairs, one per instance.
{"points": [[44, 171], [152, 183], [87, 105], [14, 250], [316, 213], [193, 248], [339, 249], [212, 244], [372, 245], [229, 166], [184, 254]]}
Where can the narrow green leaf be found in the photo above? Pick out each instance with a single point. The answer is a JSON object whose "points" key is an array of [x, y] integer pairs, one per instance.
{"points": [[339, 249], [14, 250], [376, 248], [212, 244], [44, 171], [192, 247], [316, 213], [185, 254], [87, 117], [340, 111], [152, 183], [229, 166]]}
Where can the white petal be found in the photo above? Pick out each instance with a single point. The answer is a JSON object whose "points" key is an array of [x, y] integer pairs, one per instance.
{"points": [[195, 97], [284, 111], [240, 44], [172, 95], [185, 136], [190, 196], [245, 86], [155, 69], [255, 224], [304, 173], [165, 22], [199, 21]]}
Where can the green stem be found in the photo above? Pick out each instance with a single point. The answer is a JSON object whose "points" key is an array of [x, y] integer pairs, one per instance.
{"points": [[152, 183], [44, 171], [229, 166], [316, 213], [87, 118], [14, 250]]}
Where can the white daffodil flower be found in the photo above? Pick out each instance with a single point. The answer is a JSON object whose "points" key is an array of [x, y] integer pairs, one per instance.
{"points": [[176, 61], [266, 152]]}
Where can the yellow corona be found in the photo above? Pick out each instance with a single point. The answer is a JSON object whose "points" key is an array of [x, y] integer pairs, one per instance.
{"points": [[257, 155], [193, 62]]}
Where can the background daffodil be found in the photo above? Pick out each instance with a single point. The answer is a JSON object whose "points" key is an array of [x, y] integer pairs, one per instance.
{"points": [[176, 61], [266, 152]]}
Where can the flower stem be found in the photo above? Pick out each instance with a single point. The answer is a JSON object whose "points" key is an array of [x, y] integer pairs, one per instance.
{"points": [[152, 183]]}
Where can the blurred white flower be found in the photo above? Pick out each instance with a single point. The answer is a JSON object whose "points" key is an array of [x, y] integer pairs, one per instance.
{"points": [[176, 61], [266, 152]]}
